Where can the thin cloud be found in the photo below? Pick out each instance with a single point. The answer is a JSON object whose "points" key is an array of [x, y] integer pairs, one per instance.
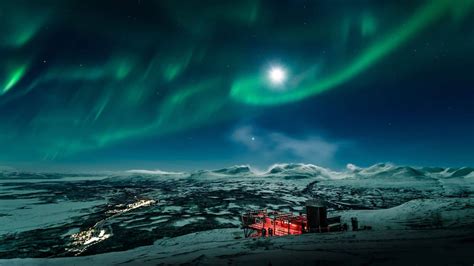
{"points": [[275, 145]]}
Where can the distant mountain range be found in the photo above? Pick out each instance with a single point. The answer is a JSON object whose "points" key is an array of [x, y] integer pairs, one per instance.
{"points": [[284, 170]]}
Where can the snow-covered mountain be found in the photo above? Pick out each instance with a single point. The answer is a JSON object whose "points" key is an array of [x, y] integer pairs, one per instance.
{"points": [[381, 171], [153, 172], [235, 170], [99, 213]]}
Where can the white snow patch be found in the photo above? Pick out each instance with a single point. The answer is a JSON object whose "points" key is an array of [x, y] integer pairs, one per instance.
{"points": [[187, 221], [154, 172]]}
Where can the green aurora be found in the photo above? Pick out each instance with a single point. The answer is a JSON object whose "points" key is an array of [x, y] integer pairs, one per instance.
{"points": [[72, 80], [255, 89]]}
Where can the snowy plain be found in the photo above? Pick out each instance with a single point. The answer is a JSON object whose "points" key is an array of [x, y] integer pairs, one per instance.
{"points": [[194, 217]]}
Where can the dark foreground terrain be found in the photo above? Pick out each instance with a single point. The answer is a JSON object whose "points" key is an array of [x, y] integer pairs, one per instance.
{"points": [[419, 216], [218, 247]]}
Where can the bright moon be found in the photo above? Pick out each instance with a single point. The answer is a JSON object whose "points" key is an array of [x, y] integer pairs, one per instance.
{"points": [[277, 75]]}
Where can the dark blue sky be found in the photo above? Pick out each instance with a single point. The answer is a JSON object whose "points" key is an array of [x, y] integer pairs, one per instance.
{"points": [[120, 85]]}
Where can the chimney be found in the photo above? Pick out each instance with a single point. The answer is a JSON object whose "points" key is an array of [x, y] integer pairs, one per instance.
{"points": [[316, 214]]}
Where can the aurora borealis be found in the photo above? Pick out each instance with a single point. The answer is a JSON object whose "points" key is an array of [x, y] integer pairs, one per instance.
{"points": [[254, 93], [171, 82]]}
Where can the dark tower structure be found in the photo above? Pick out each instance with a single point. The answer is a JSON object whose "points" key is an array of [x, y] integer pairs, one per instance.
{"points": [[316, 214]]}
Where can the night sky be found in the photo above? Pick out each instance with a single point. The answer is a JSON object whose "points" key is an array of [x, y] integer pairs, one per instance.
{"points": [[87, 84]]}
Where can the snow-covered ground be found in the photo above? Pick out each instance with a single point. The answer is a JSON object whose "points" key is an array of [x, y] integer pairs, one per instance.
{"points": [[378, 246], [184, 217]]}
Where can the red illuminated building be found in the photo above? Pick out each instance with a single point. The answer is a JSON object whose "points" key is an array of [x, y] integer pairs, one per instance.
{"points": [[272, 223]]}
